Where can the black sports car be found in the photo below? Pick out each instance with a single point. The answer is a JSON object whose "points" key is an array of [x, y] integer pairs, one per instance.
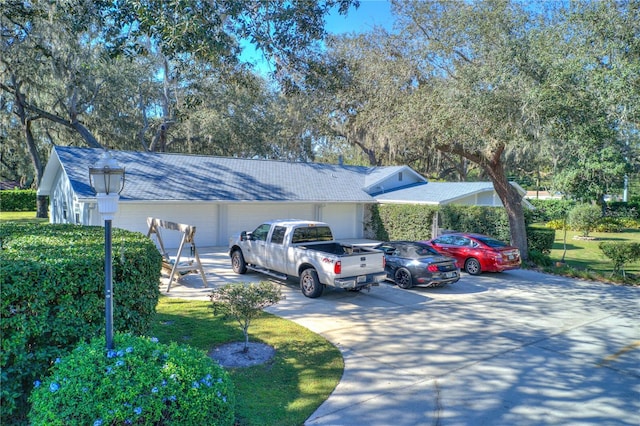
{"points": [[416, 264]]}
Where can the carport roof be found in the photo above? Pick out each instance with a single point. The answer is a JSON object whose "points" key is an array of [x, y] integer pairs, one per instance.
{"points": [[154, 176]]}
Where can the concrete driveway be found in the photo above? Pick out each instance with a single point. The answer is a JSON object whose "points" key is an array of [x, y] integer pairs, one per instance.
{"points": [[516, 348]]}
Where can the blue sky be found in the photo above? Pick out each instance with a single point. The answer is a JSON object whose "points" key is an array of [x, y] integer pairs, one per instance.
{"points": [[370, 13]]}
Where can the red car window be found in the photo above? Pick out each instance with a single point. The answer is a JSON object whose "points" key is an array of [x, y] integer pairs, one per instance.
{"points": [[492, 242]]}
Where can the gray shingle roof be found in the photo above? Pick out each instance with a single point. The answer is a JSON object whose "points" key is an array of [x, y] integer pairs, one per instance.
{"points": [[162, 176], [435, 192]]}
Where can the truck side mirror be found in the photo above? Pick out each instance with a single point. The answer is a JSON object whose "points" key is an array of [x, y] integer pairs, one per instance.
{"points": [[244, 235]]}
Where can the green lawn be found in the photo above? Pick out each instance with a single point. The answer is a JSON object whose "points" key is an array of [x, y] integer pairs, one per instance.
{"points": [[586, 255], [286, 390], [20, 217]]}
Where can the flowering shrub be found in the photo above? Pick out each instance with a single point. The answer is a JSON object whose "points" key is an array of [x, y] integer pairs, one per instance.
{"points": [[140, 382], [609, 224], [556, 224], [52, 281]]}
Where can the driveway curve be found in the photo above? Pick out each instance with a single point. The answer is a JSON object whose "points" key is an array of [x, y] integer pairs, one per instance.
{"points": [[515, 348]]}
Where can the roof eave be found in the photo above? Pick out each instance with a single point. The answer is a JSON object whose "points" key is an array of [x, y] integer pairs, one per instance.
{"points": [[50, 172]]}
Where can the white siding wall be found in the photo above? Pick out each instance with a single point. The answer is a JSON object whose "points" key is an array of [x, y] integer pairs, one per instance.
{"points": [[397, 180], [488, 198], [61, 201]]}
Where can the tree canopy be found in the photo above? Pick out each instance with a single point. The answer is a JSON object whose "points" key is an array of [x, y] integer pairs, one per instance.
{"points": [[498, 88], [491, 89]]}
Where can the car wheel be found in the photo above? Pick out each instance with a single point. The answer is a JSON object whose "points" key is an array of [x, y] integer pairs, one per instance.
{"points": [[472, 266], [403, 278], [310, 284], [237, 262]]}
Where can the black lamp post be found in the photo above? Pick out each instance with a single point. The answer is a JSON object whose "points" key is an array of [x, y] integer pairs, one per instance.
{"points": [[106, 178]]}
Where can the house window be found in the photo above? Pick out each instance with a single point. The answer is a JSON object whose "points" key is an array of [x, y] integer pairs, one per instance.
{"points": [[400, 177]]}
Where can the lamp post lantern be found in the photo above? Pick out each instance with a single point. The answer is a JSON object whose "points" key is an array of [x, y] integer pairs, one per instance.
{"points": [[106, 178]]}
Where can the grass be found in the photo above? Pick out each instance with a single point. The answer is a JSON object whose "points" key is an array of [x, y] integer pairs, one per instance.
{"points": [[29, 217], [585, 259], [285, 391]]}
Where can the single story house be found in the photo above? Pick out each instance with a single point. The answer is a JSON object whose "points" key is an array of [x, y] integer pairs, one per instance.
{"points": [[221, 196]]}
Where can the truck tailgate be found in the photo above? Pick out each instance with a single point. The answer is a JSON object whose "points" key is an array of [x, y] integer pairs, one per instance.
{"points": [[364, 262]]}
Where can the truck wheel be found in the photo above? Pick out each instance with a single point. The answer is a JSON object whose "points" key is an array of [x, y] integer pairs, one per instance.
{"points": [[309, 283], [403, 278], [472, 266], [237, 262]]}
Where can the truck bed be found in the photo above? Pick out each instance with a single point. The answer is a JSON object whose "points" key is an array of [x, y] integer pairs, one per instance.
{"points": [[335, 248]]}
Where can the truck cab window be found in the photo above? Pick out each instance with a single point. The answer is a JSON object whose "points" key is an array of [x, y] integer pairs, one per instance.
{"points": [[277, 237], [261, 232], [316, 233]]}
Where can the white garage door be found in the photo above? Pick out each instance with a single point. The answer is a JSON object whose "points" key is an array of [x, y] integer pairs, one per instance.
{"points": [[343, 219], [247, 216], [203, 216]]}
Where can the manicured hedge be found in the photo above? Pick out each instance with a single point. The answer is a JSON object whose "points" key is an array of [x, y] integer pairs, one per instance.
{"points": [[18, 200], [484, 220], [629, 209], [401, 222], [52, 280], [414, 222], [541, 239]]}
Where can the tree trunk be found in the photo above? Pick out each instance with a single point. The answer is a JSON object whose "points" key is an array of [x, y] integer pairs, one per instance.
{"points": [[512, 201], [509, 195], [42, 207], [21, 112]]}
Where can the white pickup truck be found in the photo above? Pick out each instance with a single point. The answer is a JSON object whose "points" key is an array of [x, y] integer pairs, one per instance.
{"points": [[306, 249]]}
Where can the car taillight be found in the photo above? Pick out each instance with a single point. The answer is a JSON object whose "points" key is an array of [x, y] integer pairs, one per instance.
{"points": [[384, 262], [337, 267], [432, 268]]}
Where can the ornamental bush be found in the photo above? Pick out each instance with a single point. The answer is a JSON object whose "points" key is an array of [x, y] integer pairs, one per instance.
{"points": [[556, 224], [52, 281], [609, 224], [584, 218], [244, 302], [620, 252], [140, 382]]}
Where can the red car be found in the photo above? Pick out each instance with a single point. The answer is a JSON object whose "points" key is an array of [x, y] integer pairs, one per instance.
{"points": [[476, 253]]}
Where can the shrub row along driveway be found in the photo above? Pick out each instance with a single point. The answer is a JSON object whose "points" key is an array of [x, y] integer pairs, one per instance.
{"points": [[516, 348]]}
